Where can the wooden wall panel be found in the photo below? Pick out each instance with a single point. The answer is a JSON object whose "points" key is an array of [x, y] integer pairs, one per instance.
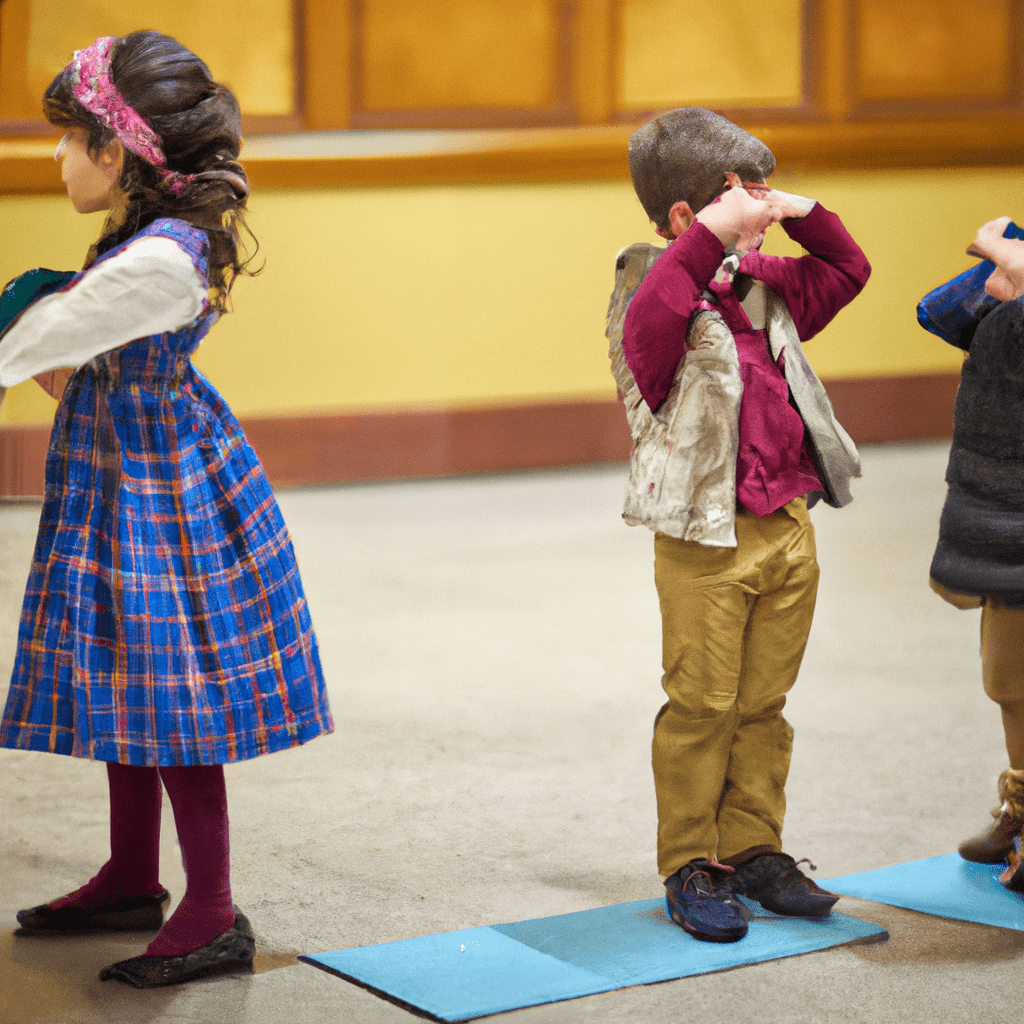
{"points": [[832, 83], [934, 52], [669, 56], [467, 63], [18, 103], [257, 58], [419, 56]]}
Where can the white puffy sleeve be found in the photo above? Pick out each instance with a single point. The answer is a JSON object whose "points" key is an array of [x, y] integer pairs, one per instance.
{"points": [[149, 288]]}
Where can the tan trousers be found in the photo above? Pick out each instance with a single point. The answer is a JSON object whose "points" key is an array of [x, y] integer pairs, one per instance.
{"points": [[1002, 651], [1002, 666], [734, 626]]}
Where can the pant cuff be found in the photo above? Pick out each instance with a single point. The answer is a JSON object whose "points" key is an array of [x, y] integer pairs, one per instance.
{"points": [[739, 859]]}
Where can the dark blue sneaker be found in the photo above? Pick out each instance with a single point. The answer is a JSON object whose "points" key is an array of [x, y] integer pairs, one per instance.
{"points": [[698, 898]]}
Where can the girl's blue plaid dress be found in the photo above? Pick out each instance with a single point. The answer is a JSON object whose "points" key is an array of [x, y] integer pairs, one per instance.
{"points": [[164, 620]]}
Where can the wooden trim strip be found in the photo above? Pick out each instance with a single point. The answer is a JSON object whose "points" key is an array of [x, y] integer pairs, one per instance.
{"points": [[23, 460], [318, 449], [326, 54], [29, 174], [879, 409], [592, 60], [559, 154], [439, 442], [459, 118]]}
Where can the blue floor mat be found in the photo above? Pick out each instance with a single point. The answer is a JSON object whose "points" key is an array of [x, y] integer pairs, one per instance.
{"points": [[946, 886], [460, 975]]}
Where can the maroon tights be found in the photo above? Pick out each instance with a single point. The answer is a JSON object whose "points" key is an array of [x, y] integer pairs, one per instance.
{"points": [[199, 800]]}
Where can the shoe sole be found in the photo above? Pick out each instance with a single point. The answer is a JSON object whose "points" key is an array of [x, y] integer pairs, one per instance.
{"points": [[149, 918], [813, 915], [142, 974], [704, 937], [1013, 879], [230, 953], [734, 935], [973, 857]]}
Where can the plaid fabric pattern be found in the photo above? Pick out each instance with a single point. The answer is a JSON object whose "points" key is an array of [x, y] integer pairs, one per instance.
{"points": [[164, 620]]}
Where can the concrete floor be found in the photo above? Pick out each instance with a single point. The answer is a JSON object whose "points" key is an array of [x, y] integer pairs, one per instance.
{"points": [[492, 651]]}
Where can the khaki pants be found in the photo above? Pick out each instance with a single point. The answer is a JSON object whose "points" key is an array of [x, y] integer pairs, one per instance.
{"points": [[734, 626], [1002, 667], [1002, 651]]}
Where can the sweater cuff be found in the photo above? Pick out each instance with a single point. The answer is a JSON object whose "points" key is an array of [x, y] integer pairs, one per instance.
{"points": [[699, 250], [817, 223]]}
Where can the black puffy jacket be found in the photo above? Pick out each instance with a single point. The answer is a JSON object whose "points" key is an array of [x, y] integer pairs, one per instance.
{"points": [[981, 532]]}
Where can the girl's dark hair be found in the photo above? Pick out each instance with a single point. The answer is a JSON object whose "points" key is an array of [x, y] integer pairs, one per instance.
{"points": [[199, 126]]}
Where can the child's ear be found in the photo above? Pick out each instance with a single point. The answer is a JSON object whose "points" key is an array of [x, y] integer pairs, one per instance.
{"points": [[680, 217], [110, 159]]}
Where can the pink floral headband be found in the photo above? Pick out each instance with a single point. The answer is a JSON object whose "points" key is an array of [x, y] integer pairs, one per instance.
{"points": [[95, 90]]}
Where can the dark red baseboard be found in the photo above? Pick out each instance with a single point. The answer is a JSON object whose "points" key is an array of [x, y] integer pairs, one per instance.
{"points": [[876, 409], [439, 442], [298, 450], [22, 460]]}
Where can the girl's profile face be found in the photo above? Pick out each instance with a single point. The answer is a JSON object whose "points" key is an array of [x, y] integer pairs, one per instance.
{"points": [[91, 184]]}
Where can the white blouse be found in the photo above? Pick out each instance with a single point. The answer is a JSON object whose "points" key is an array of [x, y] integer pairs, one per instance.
{"points": [[149, 288]]}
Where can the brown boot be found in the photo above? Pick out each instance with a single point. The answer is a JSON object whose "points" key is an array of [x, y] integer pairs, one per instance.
{"points": [[993, 845]]}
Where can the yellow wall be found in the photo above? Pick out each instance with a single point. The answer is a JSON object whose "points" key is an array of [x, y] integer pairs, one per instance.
{"points": [[389, 298]]}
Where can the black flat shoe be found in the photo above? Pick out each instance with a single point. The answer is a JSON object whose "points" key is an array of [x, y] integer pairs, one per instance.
{"points": [[132, 914], [775, 881], [231, 952]]}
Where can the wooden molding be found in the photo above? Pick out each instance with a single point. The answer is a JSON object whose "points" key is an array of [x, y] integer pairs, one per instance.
{"points": [[592, 63], [23, 460], [565, 154], [326, 449], [439, 442], [16, 101], [880, 409], [326, 53]]}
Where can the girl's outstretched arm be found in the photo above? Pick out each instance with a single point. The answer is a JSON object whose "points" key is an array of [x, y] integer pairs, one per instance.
{"points": [[150, 288]]}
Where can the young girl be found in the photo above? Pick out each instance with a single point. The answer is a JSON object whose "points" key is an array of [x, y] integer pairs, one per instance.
{"points": [[979, 558], [164, 629]]}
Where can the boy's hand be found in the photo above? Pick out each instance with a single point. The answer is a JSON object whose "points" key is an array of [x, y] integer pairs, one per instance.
{"points": [[736, 219], [739, 219], [788, 205], [1006, 282]]}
